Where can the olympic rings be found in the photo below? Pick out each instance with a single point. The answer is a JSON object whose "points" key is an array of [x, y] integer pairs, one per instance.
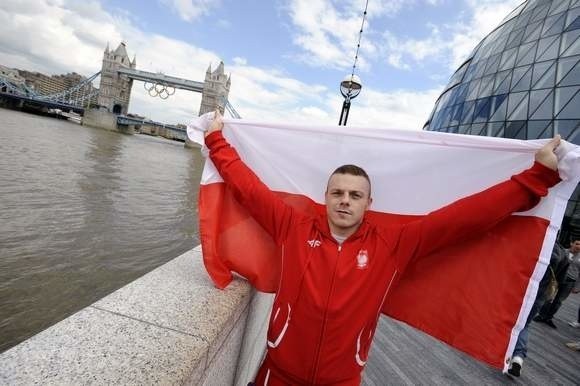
{"points": [[161, 90]]}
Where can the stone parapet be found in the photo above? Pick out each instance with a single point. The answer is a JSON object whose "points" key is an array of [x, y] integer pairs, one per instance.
{"points": [[171, 326]]}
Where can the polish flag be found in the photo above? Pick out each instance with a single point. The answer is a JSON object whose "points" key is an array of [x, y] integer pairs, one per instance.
{"points": [[474, 295]]}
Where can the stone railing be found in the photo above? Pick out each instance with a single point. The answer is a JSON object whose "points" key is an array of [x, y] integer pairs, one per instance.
{"points": [[171, 326]]}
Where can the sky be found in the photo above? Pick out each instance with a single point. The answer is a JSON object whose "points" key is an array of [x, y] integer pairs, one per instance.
{"points": [[286, 57]]}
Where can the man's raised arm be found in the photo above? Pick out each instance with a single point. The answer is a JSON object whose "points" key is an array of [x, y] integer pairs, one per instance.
{"points": [[481, 211], [264, 206]]}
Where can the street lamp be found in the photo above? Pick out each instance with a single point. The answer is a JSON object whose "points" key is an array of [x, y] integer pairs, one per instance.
{"points": [[349, 88]]}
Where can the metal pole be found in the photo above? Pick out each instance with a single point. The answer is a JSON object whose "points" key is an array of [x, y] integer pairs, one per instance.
{"points": [[344, 112]]}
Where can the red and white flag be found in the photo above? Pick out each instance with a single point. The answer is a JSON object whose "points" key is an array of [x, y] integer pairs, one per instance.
{"points": [[474, 295]]}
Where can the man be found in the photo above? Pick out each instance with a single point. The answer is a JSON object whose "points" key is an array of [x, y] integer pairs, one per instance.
{"points": [[338, 267], [565, 286], [556, 271]]}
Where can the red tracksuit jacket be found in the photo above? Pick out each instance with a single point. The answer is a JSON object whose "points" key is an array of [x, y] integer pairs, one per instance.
{"points": [[330, 297]]}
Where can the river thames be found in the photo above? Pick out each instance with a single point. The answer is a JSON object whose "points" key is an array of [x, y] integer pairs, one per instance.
{"points": [[83, 212]]}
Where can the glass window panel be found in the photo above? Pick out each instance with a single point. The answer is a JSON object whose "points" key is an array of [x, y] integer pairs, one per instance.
{"points": [[482, 109], [568, 71], [570, 43], [558, 6], [456, 115], [563, 96], [463, 129], [496, 129], [574, 25], [566, 128], [554, 25], [515, 38], [548, 48], [521, 79], [447, 112], [508, 59], [574, 137], [435, 122], [479, 129], [499, 108], [473, 88], [461, 92], [573, 76], [541, 104], [486, 86], [572, 17], [526, 53], [478, 73], [467, 113], [502, 82], [470, 71], [518, 106], [492, 65], [515, 129], [458, 76], [544, 75], [453, 129], [501, 42], [540, 13], [532, 31], [539, 129], [523, 19], [571, 110]]}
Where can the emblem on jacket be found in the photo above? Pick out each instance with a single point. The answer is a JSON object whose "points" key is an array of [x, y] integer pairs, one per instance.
{"points": [[314, 243], [362, 259]]}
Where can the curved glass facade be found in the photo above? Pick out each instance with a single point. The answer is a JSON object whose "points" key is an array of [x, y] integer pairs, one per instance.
{"points": [[522, 81]]}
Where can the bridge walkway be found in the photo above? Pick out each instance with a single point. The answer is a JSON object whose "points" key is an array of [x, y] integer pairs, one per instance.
{"points": [[402, 355]]}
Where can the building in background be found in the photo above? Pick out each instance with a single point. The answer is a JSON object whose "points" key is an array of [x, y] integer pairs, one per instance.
{"points": [[522, 81], [115, 88], [216, 88]]}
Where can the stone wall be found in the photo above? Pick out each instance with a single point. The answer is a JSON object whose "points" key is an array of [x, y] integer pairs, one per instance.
{"points": [[101, 119], [171, 326]]}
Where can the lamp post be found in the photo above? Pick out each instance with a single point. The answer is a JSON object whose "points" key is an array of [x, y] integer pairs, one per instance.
{"points": [[349, 88]]}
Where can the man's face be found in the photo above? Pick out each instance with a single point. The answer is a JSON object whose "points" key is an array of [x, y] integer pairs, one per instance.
{"points": [[347, 198], [575, 247]]}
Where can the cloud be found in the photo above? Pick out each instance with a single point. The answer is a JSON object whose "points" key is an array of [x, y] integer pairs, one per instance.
{"points": [[449, 44], [190, 10], [327, 33], [399, 109]]}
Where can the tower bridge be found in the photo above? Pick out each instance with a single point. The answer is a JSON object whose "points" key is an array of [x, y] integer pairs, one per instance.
{"points": [[107, 107]]}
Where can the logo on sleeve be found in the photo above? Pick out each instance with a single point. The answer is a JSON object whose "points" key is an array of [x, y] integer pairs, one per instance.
{"points": [[314, 243], [362, 259]]}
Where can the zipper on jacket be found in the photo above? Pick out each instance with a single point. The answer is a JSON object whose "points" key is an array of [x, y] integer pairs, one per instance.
{"points": [[317, 363]]}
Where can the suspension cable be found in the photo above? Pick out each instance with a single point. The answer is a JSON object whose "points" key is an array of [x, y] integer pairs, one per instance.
{"points": [[359, 39]]}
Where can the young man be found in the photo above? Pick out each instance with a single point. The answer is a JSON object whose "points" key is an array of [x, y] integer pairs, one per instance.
{"points": [[557, 270], [338, 267], [565, 286]]}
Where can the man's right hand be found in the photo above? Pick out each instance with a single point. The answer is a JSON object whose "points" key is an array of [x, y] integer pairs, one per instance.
{"points": [[216, 125]]}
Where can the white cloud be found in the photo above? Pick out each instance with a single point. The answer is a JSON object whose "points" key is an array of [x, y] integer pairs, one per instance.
{"points": [[328, 33], [190, 10], [399, 109], [448, 43]]}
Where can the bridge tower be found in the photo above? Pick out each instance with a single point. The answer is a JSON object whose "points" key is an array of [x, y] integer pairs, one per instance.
{"points": [[115, 89], [216, 88]]}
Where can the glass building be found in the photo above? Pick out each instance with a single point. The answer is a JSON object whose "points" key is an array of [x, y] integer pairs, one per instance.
{"points": [[522, 81]]}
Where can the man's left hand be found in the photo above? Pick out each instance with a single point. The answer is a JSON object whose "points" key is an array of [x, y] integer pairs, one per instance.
{"points": [[546, 155]]}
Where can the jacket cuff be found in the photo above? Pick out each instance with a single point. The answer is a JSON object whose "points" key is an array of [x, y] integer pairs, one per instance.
{"points": [[213, 139]]}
